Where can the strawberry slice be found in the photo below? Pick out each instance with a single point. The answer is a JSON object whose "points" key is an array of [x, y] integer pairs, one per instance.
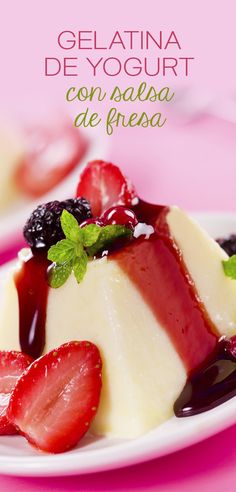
{"points": [[56, 399], [51, 154], [104, 185], [12, 365]]}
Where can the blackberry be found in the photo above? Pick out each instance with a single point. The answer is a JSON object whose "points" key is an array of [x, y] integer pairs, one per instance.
{"points": [[228, 244], [43, 228]]}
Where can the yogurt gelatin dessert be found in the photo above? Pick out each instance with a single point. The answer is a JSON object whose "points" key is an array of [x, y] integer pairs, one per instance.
{"points": [[142, 282]]}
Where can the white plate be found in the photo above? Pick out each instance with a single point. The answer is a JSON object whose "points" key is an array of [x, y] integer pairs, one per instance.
{"points": [[12, 221], [17, 457]]}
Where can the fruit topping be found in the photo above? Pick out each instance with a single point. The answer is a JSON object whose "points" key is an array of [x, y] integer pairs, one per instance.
{"points": [[12, 365], [104, 185], [43, 228], [51, 154], [81, 243], [228, 244], [120, 215], [56, 399]]}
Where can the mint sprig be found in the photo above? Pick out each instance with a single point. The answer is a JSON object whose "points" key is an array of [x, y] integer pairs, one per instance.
{"points": [[73, 253], [229, 267], [80, 266], [59, 273], [62, 251], [108, 234]]}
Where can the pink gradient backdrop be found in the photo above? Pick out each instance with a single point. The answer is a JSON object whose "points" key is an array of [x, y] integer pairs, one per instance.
{"points": [[188, 158], [191, 162]]}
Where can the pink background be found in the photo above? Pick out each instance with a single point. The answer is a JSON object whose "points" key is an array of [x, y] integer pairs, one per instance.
{"points": [[191, 161], [190, 156]]}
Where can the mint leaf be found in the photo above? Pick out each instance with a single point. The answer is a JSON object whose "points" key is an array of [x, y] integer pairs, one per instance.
{"points": [[70, 226], [72, 253], [80, 266], [90, 234], [79, 249], [107, 235], [58, 274], [62, 251], [229, 267]]}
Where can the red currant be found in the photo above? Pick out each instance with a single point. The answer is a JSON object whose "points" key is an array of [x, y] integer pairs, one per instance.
{"points": [[120, 216]]}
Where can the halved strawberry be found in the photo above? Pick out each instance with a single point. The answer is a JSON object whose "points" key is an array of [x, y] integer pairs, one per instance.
{"points": [[104, 185], [51, 154], [55, 401], [12, 365]]}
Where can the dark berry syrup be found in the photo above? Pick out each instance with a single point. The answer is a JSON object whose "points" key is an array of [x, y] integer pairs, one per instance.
{"points": [[212, 384], [32, 287]]}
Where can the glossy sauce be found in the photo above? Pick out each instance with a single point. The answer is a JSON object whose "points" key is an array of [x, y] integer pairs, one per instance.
{"points": [[32, 287], [211, 385]]}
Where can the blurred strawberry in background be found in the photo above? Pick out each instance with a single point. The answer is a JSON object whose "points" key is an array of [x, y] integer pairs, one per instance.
{"points": [[40, 160], [51, 153]]}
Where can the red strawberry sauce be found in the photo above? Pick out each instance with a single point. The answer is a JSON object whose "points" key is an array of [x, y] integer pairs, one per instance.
{"points": [[158, 270]]}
